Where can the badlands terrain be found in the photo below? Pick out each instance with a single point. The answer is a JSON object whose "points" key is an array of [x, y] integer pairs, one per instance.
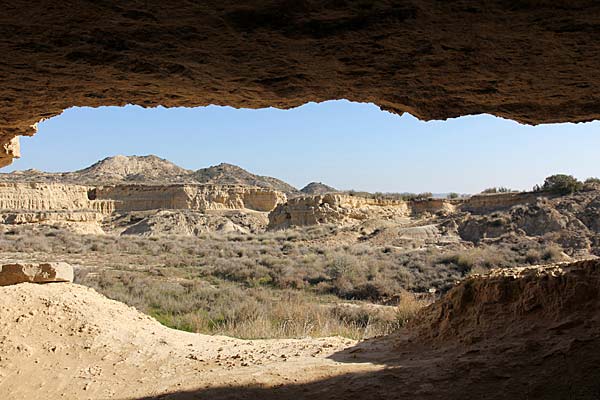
{"points": [[304, 293]]}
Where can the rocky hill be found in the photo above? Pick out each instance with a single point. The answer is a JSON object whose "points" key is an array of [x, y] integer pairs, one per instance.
{"points": [[317, 188], [233, 175], [111, 170], [142, 169], [151, 169]]}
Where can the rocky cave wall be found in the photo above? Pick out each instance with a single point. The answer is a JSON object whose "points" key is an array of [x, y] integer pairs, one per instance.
{"points": [[533, 61]]}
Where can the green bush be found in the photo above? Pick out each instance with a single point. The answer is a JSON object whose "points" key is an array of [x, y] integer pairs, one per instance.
{"points": [[562, 184]]}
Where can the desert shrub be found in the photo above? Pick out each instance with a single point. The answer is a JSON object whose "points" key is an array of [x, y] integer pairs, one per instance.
{"points": [[552, 253], [477, 260], [453, 195], [561, 184], [533, 256], [275, 260], [373, 291]]}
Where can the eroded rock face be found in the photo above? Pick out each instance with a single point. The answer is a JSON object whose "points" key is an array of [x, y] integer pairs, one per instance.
{"points": [[189, 197], [43, 196], [486, 203], [532, 62], [514, 301], [187, 209], [332, 208], [341, 209], [27, 197], [12, 274]]}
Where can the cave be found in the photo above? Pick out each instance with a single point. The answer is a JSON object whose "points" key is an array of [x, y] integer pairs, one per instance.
{"points": [[533, 61]]}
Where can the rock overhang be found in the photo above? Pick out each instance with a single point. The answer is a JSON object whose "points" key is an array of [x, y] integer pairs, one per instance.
{"points": [[530, 61]]}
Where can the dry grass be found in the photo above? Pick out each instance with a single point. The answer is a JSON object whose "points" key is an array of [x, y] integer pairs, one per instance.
{"points": [[226, 308], [273, 284]]}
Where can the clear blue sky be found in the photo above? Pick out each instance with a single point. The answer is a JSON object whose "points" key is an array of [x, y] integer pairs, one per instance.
{"points": [[346, 145]]}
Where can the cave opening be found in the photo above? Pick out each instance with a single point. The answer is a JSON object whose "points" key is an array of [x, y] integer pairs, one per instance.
{"points": [[353, 146]]}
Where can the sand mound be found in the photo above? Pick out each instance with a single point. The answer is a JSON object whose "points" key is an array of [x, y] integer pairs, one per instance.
{"points": [[68, 341]]}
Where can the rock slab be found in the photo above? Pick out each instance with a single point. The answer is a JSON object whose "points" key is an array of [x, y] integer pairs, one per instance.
{"points": [[12, 274]]}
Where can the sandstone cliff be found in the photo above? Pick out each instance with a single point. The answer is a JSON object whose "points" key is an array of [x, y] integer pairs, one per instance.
{"points": [[26, 196], [188, 197], [43, 196], [90, 210], [29, 217], [485, 203], [342, 208]]}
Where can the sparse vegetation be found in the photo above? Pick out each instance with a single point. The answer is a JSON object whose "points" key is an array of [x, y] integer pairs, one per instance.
{"points": [[592, 180], [497, 190], [356, 279], [391, 196], [560, 184], [179, 299], [275, 284]]}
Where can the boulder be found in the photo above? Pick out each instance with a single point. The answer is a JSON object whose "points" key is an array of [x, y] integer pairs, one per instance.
{"points": [[11, 274]]}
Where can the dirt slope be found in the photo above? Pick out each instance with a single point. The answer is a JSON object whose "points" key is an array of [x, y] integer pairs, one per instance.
{"points": [[519, 334], [67, 341]]}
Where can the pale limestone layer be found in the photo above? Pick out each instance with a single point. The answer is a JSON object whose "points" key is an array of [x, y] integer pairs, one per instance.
{"points": [[189, 197], [49, 217], [344, 209], [12, 274], [483, 203], [333, 208], [43, 197]]}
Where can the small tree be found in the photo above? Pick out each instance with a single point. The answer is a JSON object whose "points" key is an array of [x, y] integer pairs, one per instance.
{"points": [[452, 195], [562, 184]]}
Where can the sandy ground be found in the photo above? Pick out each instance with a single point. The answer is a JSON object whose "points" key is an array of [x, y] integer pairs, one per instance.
{"points": [[522, 334], [67, 341]]}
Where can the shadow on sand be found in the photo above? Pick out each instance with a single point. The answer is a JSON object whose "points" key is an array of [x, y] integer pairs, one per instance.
{"points": [[516, 370]]}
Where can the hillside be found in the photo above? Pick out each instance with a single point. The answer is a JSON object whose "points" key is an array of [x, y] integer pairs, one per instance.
{"points": [[232, 174], [142, 169], [317, 188], [150, 169]]}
